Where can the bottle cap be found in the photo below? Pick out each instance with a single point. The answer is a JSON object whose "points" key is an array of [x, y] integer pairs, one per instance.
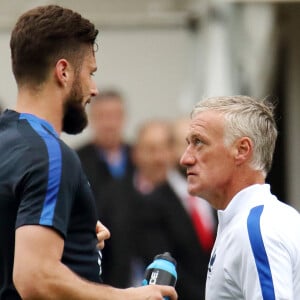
{"points": [[167, 256]]}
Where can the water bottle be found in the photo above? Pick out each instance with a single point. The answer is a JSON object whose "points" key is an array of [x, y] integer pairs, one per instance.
{"points": [[161, 271]]}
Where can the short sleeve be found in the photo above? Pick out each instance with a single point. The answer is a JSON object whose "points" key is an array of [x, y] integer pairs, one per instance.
{"points": [[39, 189]]}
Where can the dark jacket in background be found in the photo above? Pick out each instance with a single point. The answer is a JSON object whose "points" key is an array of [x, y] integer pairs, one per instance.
{"points": [[97, 170], [180, 239]]}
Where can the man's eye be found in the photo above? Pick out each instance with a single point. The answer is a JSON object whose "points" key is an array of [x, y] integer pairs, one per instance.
{"points": [[197, 142]]}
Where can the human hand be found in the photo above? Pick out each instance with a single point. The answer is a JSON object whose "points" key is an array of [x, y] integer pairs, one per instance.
{"points": [[102, 234], [151, 292]]}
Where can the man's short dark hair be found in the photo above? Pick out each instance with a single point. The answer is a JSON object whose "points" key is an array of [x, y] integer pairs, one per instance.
{"points": [[45, 34]]}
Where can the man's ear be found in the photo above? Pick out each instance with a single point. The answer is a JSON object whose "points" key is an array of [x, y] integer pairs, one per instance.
{"points": [[62, 72], [243, 150]]}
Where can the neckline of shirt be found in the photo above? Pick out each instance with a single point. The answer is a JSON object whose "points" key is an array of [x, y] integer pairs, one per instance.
{"points": [[43, 122], [248, 197]]}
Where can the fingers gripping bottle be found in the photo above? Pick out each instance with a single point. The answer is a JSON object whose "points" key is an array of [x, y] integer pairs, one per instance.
{"points": [[161, 271]]}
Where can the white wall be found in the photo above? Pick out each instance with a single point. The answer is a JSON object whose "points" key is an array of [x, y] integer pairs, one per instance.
{"points": [[8, 89], [150, 66]]}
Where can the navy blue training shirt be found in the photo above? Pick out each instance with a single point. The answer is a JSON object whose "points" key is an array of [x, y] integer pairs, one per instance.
{"points": [[42, 183]]}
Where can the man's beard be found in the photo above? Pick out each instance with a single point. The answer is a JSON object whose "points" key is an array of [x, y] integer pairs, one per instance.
{"points": [[75, 118]]}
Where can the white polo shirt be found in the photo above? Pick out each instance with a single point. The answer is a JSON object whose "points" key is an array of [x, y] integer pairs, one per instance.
{"points": [[256, 255]]}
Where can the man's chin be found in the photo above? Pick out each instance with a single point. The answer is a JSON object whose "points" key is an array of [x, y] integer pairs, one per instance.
{"points": [[192, 190], [73, 132], [74, 126], [75, 119]]}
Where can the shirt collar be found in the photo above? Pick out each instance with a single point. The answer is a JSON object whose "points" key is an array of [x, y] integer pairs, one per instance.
{"points": [[248, 197], [42, 122]]}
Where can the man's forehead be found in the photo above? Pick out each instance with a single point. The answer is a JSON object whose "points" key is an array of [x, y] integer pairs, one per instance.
{"points": [[198, 122], [205, 122], [207, 117]]}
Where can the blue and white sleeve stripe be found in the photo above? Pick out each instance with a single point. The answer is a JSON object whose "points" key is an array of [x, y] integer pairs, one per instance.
{"points": [[260, 254], [54, 171]]}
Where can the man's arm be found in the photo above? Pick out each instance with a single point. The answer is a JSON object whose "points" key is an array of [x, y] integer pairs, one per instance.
{"points": [[40, 274]]}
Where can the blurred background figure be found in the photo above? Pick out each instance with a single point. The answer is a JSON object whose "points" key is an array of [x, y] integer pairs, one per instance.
{"points": [[126, 208], [107, 157], [152, 154], [186, 225]]}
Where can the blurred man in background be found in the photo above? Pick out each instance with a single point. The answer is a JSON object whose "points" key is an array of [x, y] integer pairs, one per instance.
{"points": [[107, 157], [125, 206]]}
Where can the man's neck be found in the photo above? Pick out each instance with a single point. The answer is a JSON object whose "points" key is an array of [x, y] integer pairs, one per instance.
{"points": [[43, 103], [240, 182]]}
